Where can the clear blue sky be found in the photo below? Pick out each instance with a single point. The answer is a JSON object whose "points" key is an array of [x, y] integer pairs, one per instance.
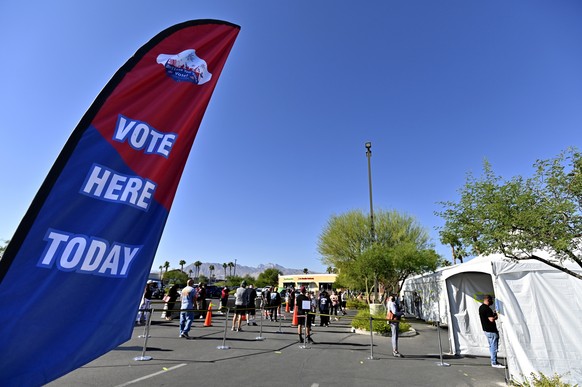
{"points": [[437, 86]]}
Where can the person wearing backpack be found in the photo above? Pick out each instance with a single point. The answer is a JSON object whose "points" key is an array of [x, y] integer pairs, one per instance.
{"points": [[274, 304]]}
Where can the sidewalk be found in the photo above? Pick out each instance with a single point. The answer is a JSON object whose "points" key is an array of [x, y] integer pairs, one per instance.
{"points": [[338, 358]]}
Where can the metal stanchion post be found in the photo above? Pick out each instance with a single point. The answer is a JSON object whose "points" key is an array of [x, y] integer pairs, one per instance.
{"points": [[304, 345], [371, 357], [143, 356], [146, 327], [224, 346], [260, 337], [441, 364], [280, 319]]}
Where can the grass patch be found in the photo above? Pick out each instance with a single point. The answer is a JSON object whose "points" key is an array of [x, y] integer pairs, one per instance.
{"points": [[381, 326]]}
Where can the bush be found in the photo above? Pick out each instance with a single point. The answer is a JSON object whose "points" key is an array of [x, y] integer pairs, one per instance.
{"points": [[543, 381], [379, 324], [356, 304]]}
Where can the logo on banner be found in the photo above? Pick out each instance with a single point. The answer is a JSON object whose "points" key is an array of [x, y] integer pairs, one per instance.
{"points": [[185, 67]]}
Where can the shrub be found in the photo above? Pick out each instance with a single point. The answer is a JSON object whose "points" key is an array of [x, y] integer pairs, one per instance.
{"points": [[356, 304], [379, 324], [542, 380]]}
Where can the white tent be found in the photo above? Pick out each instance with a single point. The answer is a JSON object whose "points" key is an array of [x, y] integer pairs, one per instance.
{"points": [[430, 288], [540, 311]]}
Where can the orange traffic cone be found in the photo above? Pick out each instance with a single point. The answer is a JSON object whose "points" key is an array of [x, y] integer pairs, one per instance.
{"points": [[244, 317], [208, 321], [295, 321], [286, 307]]}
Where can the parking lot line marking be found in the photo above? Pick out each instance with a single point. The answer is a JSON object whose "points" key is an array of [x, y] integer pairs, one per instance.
{"points": [[151, 375]]}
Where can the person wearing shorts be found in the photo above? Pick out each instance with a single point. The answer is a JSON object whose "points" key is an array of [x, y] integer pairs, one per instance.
{"points": [[302, 315], [239, 307]]}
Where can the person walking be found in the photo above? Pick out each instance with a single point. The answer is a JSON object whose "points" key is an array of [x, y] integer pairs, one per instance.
{"points": [[488, 318], [394, 315], [239, 307], [186, 312]]}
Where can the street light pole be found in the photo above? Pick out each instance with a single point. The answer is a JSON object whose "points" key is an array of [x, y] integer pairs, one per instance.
{"points": [[369, 156], [372, 230]]}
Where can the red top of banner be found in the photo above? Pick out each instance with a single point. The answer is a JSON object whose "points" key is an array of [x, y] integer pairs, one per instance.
{"points": [[148, 94]]}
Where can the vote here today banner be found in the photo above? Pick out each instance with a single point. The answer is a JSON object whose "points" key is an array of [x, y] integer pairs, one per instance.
{"points": [[72, 276]]}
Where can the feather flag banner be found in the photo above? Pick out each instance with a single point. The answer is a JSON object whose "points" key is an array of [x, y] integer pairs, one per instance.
{"points": [[72, 276]]}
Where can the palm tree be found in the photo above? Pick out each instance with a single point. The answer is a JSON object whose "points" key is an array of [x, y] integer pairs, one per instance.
{"points": [[305, 271], [190, 273], [211, 270], [197, 264], [329, 270], [224, 266], [161, 274], [182, 263], [230, 266], [166, 265]]}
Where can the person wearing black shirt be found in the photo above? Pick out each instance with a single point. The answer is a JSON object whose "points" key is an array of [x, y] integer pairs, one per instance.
{"points": [[488, 317], [302, 314]]}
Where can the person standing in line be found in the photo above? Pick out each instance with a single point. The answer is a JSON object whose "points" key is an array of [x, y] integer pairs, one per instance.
{"points": [[291, 294], [249, 299], [394, 315], [274, 304], [201, 301], [488, 317], [145, 303], [186, 312], [324, 304], [266, 301], [303, 305], [239, 307], [171, 304], [343, 301], [224, 299], [334, 304]]}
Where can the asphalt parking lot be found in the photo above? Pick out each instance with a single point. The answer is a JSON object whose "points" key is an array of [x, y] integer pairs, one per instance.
{"points": [[270, 355]]}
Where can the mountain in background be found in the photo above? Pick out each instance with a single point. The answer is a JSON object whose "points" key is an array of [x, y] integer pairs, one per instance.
{"points": [[241, 270]]}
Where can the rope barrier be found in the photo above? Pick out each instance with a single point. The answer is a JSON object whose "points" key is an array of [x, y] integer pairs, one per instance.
{"points": [[150, 311]]}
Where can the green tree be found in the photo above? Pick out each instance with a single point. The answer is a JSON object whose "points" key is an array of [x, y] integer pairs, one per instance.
{"points": [[521, 216], [202, 279], [269, 277], [235, 280], [182, 263], [211, 270], [305, 271], [175, 277], [400, 249], [197, 265], [166, 265]]}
